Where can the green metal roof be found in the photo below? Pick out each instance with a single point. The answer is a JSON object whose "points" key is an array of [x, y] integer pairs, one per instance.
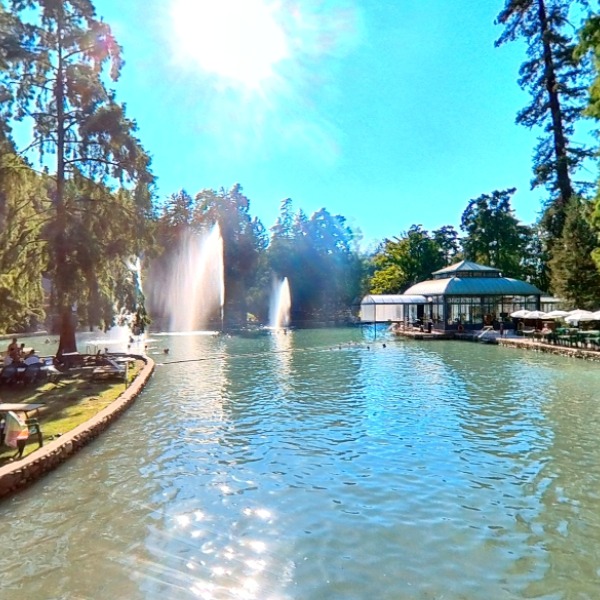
{"points": [[464, 266], [474, 286], [393, 299]]}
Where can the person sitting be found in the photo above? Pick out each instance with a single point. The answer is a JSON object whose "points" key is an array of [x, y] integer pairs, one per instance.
{"points": [[8, 360], [32, 358]]}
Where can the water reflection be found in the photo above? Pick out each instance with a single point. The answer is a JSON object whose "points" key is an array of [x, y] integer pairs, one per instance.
{"points": [[318, 465], [282, 349]]}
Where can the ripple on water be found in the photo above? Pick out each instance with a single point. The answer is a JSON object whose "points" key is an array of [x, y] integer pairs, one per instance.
{"points": [[316, 467]]}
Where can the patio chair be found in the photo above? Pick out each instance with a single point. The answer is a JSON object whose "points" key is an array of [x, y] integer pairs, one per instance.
{"points": [[17, 430]]}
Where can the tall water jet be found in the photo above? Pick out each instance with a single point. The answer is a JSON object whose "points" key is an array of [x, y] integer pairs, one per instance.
{"points": [[280, 305], [137, 319], [190, 290]]}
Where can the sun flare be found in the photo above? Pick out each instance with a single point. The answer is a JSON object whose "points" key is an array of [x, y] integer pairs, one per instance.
{"points": [[238, 40]]}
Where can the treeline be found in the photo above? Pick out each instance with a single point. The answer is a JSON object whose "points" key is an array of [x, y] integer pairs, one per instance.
{"points": [[77, 199], [318, 254]]}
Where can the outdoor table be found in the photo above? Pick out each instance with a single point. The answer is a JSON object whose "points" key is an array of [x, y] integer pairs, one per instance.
{"points": [[16, 407], [124, 360], [70, 359], [51, 372]]}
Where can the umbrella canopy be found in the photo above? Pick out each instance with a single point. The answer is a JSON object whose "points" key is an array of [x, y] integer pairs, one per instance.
{"points": [[580, 315], [557, 314], [535, 314], [519, 314]]}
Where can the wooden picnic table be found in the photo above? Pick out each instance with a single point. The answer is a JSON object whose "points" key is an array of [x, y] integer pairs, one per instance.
{"points": [[71, 359], [19, 407]]}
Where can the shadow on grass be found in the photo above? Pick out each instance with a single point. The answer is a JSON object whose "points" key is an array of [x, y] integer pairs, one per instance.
{"points": [[67, 403]]}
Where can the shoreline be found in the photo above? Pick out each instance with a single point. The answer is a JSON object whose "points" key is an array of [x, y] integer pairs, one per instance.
{"points": [[509, 341], [20, 474]]}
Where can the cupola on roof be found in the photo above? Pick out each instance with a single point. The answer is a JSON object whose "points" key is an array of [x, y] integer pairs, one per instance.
{"points": [[466, 268]]}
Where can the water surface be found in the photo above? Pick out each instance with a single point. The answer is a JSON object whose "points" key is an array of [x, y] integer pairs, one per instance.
{"points": [[318, 465]]}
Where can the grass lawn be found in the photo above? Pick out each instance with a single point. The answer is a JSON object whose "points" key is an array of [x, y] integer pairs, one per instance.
{"points": [[69, 402]]}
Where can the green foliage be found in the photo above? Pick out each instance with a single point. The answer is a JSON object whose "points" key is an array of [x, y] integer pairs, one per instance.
{"points": [[387, 278], [589, 45], [494, 236], [448, 240], [557, 85], [318, 257], [100, 242], [575, 276], [22, 249], [56, 83], [534, 263], [404, 261], [243, 240]]}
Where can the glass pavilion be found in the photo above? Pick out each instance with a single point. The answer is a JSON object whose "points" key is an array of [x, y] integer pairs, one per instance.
{"points": [[463, 296]]}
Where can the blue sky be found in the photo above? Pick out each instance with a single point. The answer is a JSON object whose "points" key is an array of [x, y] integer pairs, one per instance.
{"points": [[390, 113]]}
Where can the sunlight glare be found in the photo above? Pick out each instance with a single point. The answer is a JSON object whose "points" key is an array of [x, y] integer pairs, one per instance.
{"points": [[238, 40]]}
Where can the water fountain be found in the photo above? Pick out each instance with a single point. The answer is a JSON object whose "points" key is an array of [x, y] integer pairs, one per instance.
{"points": [[191, 292], [280, 305]]}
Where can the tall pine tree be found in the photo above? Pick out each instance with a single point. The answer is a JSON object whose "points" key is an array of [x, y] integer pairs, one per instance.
{"points": [[56, 82], [575, 276], [557, 84]]}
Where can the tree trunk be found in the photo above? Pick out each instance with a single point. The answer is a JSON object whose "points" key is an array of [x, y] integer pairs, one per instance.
{"points": [[560, 144], [67, 341]]}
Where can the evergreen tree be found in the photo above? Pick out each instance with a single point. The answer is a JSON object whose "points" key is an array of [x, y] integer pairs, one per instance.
{"points": [[534, 264], [333, 264], [23, 207], [57, 83], [244, 238], [448, 240], [575, 277], [319, 257], [494, 235], [280, 252], [558, 88]]}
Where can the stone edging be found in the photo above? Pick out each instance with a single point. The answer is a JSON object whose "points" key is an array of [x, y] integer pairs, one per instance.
{"points": [[19, 474], [536, 346]]}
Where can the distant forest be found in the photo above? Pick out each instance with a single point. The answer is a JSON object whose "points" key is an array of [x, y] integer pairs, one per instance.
{"points": [[79, 201]]}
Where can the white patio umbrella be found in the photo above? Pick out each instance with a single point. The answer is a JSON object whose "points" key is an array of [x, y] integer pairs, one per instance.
{"points": [[557, 314], [535, 314], [575, 316], [519, 314]]}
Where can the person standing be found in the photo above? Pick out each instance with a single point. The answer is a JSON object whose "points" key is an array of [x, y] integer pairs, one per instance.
{"points": [[13, 350]]}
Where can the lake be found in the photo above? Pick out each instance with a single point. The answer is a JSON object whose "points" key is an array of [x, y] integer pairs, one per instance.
{"points": [[322, 465]]}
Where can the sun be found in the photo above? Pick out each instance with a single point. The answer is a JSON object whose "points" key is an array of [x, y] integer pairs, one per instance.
{"points": [[238, 40]]}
